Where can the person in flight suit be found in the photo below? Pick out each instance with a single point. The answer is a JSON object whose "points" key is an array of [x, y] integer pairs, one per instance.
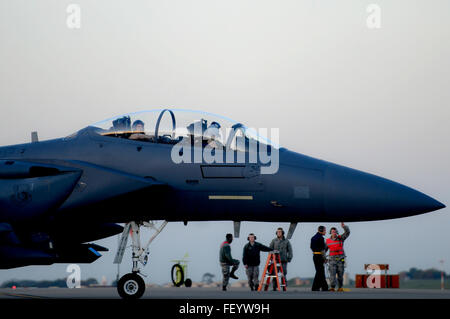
{"points": [[319, 249], [336, 261], [251, 260], [138, 131], [281, 244], [226, 261]]}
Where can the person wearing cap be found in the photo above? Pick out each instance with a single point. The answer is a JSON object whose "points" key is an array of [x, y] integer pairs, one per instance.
{"points": [[283, 246], [226, 261], [336, 259], [251, 260], [319, 249]]}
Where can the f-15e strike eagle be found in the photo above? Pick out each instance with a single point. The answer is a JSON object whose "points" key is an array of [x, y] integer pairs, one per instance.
{"points": [[59, 195]]}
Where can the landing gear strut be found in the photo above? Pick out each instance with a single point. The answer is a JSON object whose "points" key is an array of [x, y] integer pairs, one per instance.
{"points": [[131, 285]]}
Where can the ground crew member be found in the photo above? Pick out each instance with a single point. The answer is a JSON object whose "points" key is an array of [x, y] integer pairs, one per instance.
{"points": [[251, 260], [336, 261], [319, 249], [281, 244], [226, 261]]}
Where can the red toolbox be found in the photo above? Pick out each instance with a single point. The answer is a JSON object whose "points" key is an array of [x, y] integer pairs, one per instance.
{"points": [[378, 281]]}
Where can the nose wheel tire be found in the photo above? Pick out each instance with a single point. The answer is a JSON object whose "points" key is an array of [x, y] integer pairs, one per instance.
{"points": [[131, 286]]}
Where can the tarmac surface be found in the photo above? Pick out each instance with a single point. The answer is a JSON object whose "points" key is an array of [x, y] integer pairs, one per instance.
{"points": [[215, 293]]}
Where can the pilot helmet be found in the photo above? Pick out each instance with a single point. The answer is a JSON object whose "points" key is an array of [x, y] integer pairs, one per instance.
{"points": [[214, 124], [213, 131], [136, 123]]}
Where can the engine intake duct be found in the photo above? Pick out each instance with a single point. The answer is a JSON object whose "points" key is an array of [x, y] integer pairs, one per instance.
{"points": [[12, 169]]}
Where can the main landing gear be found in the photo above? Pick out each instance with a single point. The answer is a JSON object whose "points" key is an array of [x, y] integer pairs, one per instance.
{"points": [[131, 285]]}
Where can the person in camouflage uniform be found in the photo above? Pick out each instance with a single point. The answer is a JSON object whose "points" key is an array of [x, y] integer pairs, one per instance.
{"points": [[283, 246], [226, 261], [336, 259]]}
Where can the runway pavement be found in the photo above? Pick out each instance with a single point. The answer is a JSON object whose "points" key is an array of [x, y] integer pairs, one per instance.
{"points": [[215, 293]]}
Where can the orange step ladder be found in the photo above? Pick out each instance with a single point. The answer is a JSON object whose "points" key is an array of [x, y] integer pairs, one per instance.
{"points": [[271, 270]]}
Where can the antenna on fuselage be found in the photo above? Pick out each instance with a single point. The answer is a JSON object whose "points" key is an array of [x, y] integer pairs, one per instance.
{"points": [[34, 137], [237, 229], [292, 227]]}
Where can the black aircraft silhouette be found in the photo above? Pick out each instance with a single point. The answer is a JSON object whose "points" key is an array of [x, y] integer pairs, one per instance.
{"points": [[59, 195]]}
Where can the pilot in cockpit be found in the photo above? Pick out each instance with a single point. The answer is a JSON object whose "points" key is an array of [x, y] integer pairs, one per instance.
{"points": [[138, 131], [213, 136]]}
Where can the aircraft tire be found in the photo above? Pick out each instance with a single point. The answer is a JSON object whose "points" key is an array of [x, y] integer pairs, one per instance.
{"points": [[177, 275], [188, 283], [131, 286]]}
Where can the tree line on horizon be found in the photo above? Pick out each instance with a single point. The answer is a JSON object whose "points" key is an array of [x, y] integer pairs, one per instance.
{"points": [[62, 283], [419, 274]]}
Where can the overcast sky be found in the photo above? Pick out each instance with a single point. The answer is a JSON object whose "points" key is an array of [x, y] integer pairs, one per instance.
{"points": [[373, 99]]}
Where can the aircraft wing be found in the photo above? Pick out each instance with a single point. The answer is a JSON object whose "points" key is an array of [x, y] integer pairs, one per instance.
{"points": [[34, 196]]}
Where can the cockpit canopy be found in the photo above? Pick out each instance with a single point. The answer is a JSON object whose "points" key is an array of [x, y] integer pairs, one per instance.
{"points": [[171, 126]]}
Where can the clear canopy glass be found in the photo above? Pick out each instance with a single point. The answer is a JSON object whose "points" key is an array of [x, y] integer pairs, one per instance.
{"points": [[172, 125]]}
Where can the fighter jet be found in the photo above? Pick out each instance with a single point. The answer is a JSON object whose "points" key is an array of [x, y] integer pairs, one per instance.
{"points": [[58, 196]]}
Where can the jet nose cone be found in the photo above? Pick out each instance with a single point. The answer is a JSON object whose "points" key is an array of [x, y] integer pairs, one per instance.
{"points": [[361, 196]]}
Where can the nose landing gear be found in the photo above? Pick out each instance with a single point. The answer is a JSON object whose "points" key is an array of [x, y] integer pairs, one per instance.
{"points": [[131, 285]]}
